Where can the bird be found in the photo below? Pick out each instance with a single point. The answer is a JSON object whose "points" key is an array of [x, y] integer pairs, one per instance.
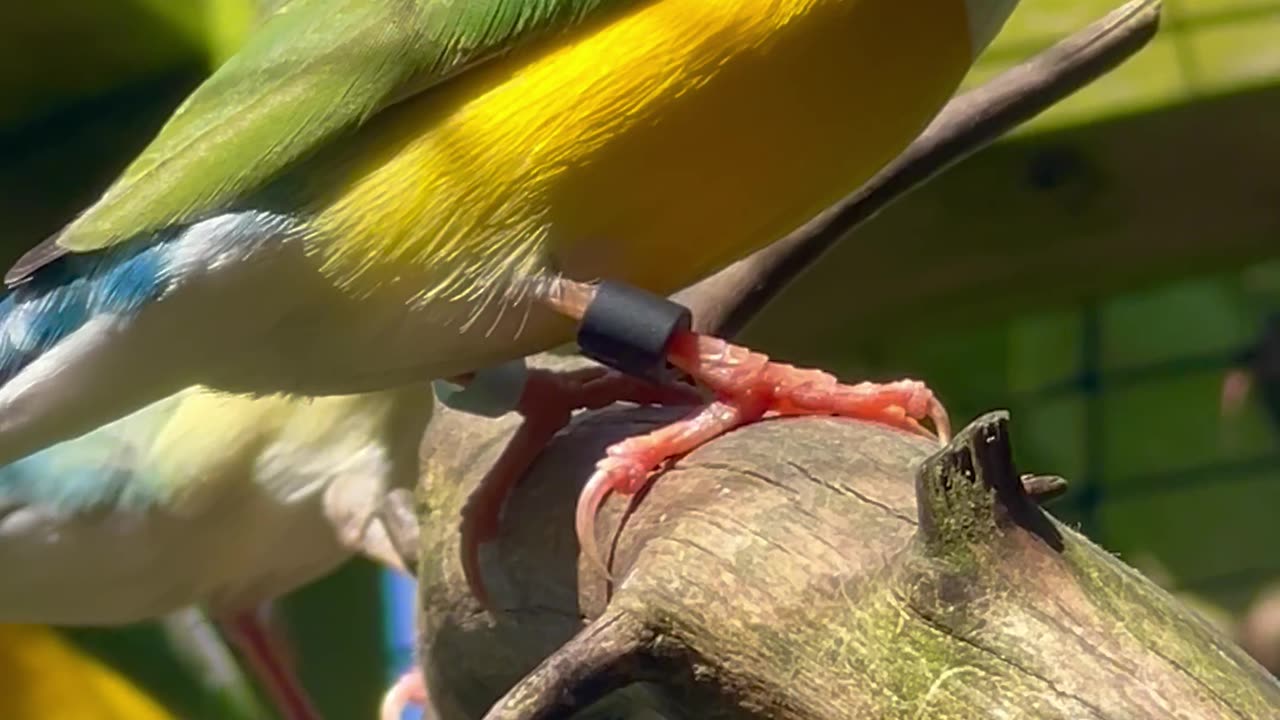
{"points": [[371, 193], [206, 500]]}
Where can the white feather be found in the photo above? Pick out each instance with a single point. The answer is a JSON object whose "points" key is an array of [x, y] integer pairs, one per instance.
{"points": [[270, 514]]}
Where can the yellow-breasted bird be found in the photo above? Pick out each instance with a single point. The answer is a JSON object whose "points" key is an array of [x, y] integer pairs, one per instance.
{"points": [[205, 499], [377, 192]]}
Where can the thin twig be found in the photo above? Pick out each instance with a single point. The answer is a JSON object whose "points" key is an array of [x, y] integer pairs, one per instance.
{"points": [[724, 303], [399, 519], [605, 656]]}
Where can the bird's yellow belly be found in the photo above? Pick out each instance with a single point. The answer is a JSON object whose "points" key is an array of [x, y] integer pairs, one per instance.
{"points": [[775, 138], [654, 150]]}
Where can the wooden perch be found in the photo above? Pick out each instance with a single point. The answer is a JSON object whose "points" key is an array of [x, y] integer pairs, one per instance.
{"points": [[781, 572]]}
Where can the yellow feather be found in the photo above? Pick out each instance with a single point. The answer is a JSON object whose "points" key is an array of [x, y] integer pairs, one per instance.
{"points": [[652, 150], [214, 437]]}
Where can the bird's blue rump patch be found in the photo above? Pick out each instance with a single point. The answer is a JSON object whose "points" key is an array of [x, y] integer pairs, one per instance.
{"points": [[51, 482], [101, 470], [62, 296]]}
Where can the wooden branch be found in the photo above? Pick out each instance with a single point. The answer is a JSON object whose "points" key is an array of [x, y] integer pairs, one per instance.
{"points": [[607, 655], [779, 572], [726, 302]]}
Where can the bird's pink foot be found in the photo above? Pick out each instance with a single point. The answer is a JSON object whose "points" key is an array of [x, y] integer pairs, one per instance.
{"points": [[410, 689], [747, 387], [547, 404]]}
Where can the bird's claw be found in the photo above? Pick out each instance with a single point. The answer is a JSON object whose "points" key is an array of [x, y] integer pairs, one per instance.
{"points": [[619, 472], [547, 405], [749, 386]]}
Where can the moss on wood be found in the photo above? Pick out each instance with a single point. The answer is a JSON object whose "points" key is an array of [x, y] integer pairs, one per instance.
{"points": [[781, 572]]}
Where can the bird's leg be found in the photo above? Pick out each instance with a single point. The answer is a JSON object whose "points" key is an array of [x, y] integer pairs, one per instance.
{"points": [[746, 385], [268, 661], [410, 689], [546, 404]]}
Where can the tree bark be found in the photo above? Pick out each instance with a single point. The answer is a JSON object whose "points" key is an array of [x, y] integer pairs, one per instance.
{"points": [[804, 569]]}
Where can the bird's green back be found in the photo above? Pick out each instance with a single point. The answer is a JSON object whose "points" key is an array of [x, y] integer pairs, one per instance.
{"points": [[314, 70]]}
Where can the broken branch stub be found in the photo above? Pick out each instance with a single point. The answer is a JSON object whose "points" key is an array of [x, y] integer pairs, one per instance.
{"points": [[970, 492]]}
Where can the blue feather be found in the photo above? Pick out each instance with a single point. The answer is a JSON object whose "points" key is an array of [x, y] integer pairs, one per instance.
{"points": [[61, 297], [49, 482], [96, 471]]}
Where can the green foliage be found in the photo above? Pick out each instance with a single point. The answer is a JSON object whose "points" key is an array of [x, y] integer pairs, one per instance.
{"points": [[56, 53], [1205, 48]]}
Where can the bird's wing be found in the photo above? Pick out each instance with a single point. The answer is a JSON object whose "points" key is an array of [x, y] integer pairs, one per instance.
{"points": [[313, 70]]}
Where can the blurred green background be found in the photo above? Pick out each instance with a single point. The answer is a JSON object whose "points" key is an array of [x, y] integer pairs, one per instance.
{"points": [[1098, 272]]}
